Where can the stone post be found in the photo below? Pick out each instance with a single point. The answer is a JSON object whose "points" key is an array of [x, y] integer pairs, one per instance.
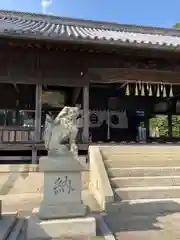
{"points": [[62, 187]]}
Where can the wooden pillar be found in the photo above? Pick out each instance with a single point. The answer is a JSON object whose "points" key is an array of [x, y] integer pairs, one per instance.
{"points": [[38, 112], [85, 136], [37, 135]]}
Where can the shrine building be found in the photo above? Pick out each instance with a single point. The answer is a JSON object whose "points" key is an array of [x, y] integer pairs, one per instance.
{"points": [[125, 79]]}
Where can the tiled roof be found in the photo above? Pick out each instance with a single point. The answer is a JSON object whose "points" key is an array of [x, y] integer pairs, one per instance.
{"points": [[57, 28]]}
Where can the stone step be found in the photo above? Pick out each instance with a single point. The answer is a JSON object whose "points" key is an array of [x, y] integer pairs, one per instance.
{"points": [[132, 193], [138, 151], [143, 157], [143, 171], [118, 182], [141, 163], [144, 206], [130, 151], [141, 148]]}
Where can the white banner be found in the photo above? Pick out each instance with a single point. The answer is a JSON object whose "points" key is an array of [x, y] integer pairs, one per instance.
{"points": [[115, 119]]}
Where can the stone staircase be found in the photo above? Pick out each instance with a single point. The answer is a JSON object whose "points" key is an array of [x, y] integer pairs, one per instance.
{"points": [[143, 174]]}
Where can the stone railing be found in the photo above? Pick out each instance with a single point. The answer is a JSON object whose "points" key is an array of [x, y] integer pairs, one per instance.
{"points": [[99, 184]]}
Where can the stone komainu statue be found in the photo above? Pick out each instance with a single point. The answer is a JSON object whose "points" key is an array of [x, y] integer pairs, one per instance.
{"points": [[60, 133]]}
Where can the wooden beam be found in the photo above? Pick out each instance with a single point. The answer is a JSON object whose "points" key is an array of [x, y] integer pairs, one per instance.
{"points": [[58, 67], [115, 75]]}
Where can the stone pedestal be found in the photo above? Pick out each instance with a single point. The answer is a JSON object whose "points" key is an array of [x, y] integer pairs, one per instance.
{"points": [[61, 211], [62, 187], [82, 227]]}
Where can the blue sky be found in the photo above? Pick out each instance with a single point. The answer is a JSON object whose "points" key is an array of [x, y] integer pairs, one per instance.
{"points": [[162, 13]]}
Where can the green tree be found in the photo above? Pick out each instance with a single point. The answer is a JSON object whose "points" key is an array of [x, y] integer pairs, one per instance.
{"points": [[161, 122], [176, 25], [176, 126]]}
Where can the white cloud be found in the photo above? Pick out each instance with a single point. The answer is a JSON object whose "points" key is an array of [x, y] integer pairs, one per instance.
{"points": [[45, 5]]}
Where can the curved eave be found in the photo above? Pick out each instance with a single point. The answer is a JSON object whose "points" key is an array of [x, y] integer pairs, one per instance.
{"points": [[79, 40]]}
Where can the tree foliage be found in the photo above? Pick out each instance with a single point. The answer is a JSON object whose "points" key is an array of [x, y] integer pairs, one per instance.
{"points": [[176, 126], [161, 121], [176, 25]]}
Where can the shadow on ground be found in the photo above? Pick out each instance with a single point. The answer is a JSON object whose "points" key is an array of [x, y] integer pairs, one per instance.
{"points": [[14, 174], [145, 216]]}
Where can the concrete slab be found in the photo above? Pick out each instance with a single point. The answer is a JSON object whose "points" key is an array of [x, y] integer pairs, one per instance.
{"points": [[37, 229], [145, 206], [7, 223], [141, 161], [159, 192], [145, 181], [143, 171]]}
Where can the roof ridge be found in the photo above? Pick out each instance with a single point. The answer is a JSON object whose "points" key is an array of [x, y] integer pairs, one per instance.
{"points": [[92, 23]]}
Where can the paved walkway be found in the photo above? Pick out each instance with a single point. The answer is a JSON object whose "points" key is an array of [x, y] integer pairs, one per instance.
{"points": [[24, 203], [162, 226]]}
